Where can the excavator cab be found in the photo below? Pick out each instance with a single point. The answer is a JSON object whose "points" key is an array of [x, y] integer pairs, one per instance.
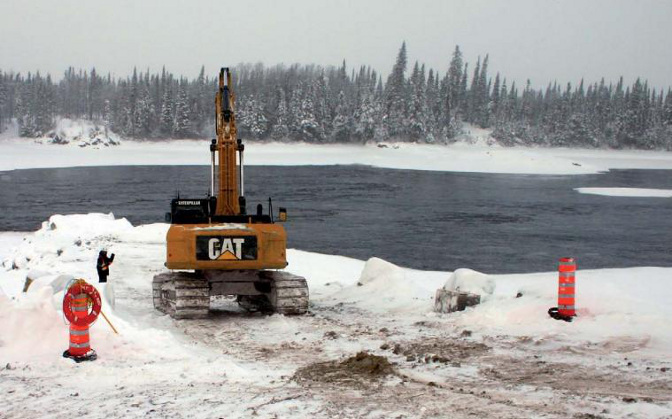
{"points": [[188, 211]]}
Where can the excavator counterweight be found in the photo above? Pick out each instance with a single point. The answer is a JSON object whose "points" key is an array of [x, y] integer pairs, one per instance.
{"points": [[224, 250]]}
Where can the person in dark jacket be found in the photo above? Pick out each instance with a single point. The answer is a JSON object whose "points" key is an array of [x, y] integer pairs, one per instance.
{"points": [[103, 265]]}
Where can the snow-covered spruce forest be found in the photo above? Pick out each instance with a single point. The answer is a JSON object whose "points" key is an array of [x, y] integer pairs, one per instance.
{"points": [[337, 104]]}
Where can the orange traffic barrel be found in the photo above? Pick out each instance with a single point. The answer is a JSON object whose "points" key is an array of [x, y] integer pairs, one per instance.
{"points": [[76, 303], [567, 287], [79, 341]]}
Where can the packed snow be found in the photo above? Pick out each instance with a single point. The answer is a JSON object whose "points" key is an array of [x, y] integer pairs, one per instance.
{"points": [[628, 192], [505, 357], [82, 133], [474, 155], [468, 280]]}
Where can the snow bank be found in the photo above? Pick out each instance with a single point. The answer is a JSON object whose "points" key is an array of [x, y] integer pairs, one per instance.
{"points": [[459, 157], [467, 280], [475, 135], [62, 239], [31, 327], [628, 192], [616, 307], [11, 131], [378, 271], [81, 133], [382, 287], [10, 240]]}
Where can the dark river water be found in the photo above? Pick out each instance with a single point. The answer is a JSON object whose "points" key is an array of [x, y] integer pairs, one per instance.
{"points": [[419, 219]]}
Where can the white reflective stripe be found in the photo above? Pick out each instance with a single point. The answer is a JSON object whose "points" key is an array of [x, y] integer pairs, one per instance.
{"points": [[79, 345], [567, 263], [79, 332], [567, 274], [78, 296], [80, 309], [567, 285], [561, 307], [565, 295]]}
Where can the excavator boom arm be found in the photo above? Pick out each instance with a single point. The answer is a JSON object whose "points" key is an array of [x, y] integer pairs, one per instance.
{"points": [[227, 145]]}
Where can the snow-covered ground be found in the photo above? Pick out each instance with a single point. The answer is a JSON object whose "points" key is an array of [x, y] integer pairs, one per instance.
{"points": [[631, 192], [71, 132], [82, 133], [459, 157], [505, 358]]}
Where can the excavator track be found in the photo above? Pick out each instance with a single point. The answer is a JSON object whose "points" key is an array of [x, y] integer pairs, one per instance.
{"points": [[181, 295], [289, 292], [185, 295]]}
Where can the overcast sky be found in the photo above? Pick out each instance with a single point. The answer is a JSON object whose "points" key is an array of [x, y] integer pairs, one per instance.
{"points": [[543, 40]]}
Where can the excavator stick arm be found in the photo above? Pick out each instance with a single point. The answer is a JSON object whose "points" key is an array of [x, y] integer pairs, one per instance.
{"points": [[227, 197]]}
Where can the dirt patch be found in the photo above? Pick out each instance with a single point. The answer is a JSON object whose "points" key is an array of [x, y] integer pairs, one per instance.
{"points": [[578, 379], [440, 350], [359, 369]]}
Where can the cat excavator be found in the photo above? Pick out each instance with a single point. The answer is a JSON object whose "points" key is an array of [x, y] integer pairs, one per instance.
{"points": [[214, 247]]}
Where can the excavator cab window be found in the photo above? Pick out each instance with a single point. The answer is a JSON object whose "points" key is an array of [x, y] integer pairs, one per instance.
{"points": [[189, 211]]}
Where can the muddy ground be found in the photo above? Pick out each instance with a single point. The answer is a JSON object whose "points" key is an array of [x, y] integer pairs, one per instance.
{"points": [[429, 368]]}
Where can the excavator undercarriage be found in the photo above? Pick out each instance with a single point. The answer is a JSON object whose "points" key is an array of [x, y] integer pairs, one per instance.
{"points": [[186, 295], [213, 247]]}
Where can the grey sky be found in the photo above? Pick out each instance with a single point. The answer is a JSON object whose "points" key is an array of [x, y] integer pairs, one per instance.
{"points": [[542, 40]]}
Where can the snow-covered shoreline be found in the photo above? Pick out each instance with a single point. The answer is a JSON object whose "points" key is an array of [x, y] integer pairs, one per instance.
{"points": [[459, 157], [503, 358], [628, 192]]}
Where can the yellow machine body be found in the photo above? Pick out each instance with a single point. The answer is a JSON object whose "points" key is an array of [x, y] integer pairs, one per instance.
{"points": [[219, 247]]}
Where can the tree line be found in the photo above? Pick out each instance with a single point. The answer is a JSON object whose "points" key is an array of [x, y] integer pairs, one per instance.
{"points": [[339, 105]]}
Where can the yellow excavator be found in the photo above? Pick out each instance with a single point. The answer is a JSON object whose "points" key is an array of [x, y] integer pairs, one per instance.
{"points": [[214, 247]]}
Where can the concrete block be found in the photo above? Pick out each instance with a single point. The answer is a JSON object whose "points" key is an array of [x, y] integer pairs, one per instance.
{"points": [[449, 301]]}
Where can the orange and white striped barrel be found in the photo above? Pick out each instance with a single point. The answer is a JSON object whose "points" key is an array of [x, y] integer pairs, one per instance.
{"points": [[79, 340], [80, 305], [79, 335], [567, 287]]}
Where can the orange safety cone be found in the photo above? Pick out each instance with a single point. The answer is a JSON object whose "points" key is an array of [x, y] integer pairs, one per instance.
{"points": [[567, 287], [566, 309]]}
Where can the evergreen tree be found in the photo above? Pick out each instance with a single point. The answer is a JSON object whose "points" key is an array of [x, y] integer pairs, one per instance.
{"points": [[474, 94], [280, 130], [321, 99], [495, 99], [462, 98], [396, 97], [107, 114], [143, 113], [167, 113], [181, 123], [454, 81], [22, 117], [667, 109], [251, 119], [483, 96], [418, 112], [308, 127], [3, 101], [342, 121], [433, 104]]}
